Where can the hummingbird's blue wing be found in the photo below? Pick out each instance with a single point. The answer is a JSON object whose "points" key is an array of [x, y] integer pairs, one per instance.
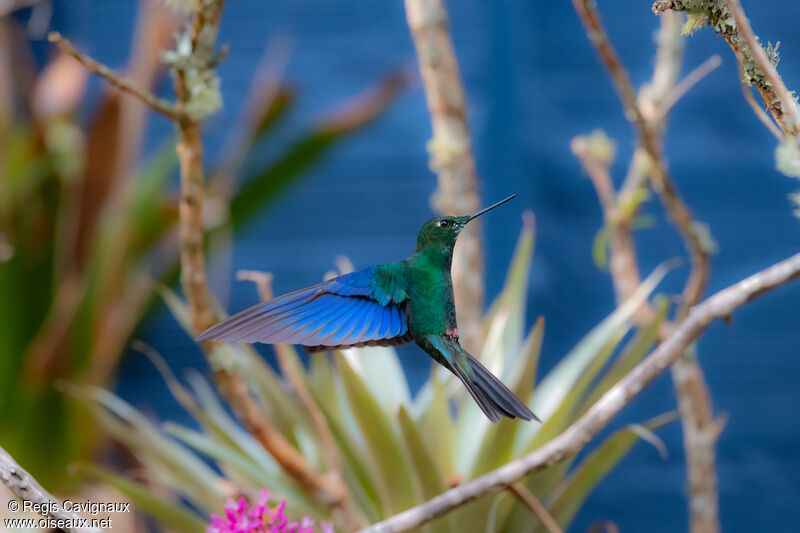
{"points": [[362, 307]]}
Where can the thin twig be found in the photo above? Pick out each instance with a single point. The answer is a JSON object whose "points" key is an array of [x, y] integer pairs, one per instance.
{"points": [[115, 80], [451, 157], [28, 489], [529, 499], [693, 78], [719, 306]]}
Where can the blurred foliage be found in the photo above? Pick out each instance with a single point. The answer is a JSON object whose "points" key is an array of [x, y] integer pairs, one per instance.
{"points": [[82, 235], [396, 450]]}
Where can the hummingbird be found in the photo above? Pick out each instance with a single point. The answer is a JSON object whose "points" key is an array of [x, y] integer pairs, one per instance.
{"points": [[383, 305]]}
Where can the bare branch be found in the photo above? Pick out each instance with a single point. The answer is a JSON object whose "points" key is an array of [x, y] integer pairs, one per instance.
{"points": [[451, 156], [575, 437], [28, 489], [115, 80], [693, 78]]}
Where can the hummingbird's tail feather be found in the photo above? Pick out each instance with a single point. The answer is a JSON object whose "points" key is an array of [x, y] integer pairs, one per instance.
{"points": [[491, 395], [503, 399]]}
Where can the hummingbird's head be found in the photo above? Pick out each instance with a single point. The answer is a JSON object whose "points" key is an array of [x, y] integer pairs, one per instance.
{"points": [[442, 231]]}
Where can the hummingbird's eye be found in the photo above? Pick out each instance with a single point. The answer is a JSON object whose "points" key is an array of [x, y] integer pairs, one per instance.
{"points": [[444, 223]]}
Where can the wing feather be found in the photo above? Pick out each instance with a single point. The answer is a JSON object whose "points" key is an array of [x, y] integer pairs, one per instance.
{"points": [[350, 310], [264, 323]]}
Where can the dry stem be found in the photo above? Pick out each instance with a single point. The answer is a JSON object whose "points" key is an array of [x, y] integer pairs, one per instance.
{"points": [[719, 306], [28, 489], [451, 156], [693, 78]]}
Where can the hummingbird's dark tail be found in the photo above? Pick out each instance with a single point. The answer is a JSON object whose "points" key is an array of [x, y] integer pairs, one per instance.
{"points": [[491, 395]]}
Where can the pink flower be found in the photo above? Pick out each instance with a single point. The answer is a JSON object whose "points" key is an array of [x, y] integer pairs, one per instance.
{"points": [[242, 517]]}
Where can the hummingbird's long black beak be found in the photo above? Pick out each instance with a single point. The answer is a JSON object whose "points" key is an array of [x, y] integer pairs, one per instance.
{"points": [[485, 209]]}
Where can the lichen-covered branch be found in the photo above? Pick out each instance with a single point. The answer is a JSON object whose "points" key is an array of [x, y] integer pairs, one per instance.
{"points": [[719, 306], [700, 429], [758, 68], [451, 156], [790, 115], [727, 18], [28, 489], [760, 113], [115, 80]]}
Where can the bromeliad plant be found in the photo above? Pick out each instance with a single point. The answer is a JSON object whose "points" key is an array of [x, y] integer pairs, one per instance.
{"points": [[395, 449]]}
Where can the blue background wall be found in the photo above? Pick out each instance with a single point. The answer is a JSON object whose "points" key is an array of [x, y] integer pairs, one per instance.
{"points": [[533, 82]]}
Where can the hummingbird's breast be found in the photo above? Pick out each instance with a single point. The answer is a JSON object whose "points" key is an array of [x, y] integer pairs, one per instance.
{"points": [[430, 308]]}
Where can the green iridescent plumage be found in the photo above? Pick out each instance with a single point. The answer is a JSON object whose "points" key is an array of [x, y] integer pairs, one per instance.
{"points": [[383, 305]]}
